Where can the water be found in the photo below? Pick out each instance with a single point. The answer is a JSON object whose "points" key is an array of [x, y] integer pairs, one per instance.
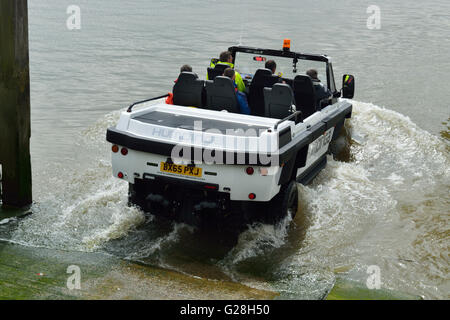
{"points": [[389, 206]]}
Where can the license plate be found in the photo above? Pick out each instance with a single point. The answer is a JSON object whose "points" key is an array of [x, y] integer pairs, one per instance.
{"points": [[181, 169]]}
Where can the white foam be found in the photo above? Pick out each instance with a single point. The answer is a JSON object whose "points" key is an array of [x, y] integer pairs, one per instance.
{"points": [[393, 144], [7, 220], [83, 215], [148, 249], [353, 211], [258, 240]]}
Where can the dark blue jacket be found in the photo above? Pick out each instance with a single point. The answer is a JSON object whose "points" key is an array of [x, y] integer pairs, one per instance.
{"points": [[320, 90], [242, 101]]}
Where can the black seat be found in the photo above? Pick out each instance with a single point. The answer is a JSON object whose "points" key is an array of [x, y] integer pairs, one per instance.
{"points": [[217, 70], [221, 95], [278, 101], [263, 78], [304, 95], [290, 82], [188, 90]]}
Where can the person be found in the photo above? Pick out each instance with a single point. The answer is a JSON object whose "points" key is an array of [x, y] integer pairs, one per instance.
{"points": [[184, 68], [226, 58], [271, 65], [320, 89], [240, 96]]}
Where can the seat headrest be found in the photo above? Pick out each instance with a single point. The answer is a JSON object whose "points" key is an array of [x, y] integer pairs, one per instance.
{"points": [[302, 79], [303, 83], [223, 81], [262, 72], [264, 77], [281, 88], [221, 66], [187, 76]]}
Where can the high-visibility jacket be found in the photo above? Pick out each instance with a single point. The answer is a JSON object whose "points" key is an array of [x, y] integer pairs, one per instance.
{"points": [[238, 78]]}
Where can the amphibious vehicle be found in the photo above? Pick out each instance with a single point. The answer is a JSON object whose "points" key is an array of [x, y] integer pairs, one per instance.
{"points": [[200, 160]]}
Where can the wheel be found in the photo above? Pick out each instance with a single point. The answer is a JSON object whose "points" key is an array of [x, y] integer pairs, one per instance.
{"points": [[284, 203], [289, 200], [340, 143]]}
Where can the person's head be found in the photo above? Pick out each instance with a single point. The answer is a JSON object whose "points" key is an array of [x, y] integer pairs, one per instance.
{"points": [[271, 65], [186, 68], [228, 72], [312, 73], [226, 56]]}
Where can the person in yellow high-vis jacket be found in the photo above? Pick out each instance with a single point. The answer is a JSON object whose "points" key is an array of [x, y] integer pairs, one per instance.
{"points": [[227, 58]]}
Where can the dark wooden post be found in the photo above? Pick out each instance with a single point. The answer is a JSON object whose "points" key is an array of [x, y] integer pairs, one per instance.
{"points": [[15, 103]]}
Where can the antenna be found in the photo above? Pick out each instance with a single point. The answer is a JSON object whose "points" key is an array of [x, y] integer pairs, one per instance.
{"points": [[240, 40], [238, 2]]}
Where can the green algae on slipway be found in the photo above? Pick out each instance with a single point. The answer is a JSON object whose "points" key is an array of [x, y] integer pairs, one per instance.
{"points": [[352, 290], [28, 273]]}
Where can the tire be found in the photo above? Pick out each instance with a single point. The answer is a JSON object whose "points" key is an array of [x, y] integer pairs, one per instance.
{"points": [[284, 203], [341, 143]]}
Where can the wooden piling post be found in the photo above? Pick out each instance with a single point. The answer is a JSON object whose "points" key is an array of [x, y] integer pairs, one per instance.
{"points": [[15, 104]]}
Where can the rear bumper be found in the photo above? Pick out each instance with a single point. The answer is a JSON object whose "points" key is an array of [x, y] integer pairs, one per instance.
{"points": [[229, 179], [175, 200]]}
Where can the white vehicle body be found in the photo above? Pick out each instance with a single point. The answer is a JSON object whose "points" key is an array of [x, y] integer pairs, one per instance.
{"points": [[231, 176]]}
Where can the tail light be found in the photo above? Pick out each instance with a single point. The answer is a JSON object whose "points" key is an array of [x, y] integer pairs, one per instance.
{"points": [[120, 175], [124, 151], [252, 196], [250, 171], [115, 148]]}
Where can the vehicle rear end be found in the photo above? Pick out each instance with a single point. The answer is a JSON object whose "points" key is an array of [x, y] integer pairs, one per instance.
{"points": [[191, 163]]}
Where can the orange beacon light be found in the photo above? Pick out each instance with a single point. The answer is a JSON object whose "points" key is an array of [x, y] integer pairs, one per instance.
{"points": [[287, 44]]}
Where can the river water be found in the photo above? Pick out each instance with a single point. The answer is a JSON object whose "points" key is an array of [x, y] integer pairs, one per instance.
{"points": [[388, 206]]}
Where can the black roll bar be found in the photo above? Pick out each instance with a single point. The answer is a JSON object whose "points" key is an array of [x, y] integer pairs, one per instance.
{"points": [[278, 53], [151, 99]]}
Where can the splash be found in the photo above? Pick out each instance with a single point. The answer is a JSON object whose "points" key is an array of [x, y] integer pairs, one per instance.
{"points": [[147, 249], [83, 206], [388, 206], [389, 142], [81, 217], [259, 239]]}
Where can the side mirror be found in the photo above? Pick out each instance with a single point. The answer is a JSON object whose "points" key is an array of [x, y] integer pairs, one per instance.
{"points": [[348, 86]]}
